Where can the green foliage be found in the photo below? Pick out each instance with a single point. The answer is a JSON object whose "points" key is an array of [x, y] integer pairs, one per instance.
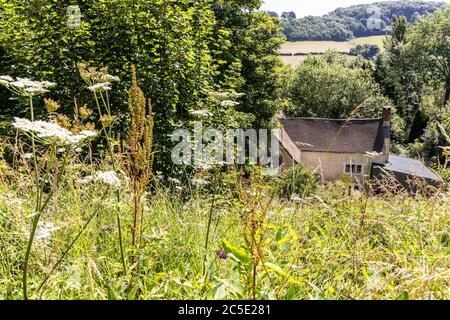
{"points": [[296, 180], [414, 71], [345, 23], [394, 72], [325, 89], [316, 250], [368, 51], [182, 52], [429, 44]]}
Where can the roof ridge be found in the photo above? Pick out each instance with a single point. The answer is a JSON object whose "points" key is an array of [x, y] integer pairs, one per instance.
{"points": [[331, 119]]}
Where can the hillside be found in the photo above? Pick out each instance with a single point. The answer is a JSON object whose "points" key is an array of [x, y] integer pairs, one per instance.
{"points": [[294, 52], [345, 23]]}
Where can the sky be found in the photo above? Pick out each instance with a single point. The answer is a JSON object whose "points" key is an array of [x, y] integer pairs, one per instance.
{"points": [[311, 7]]}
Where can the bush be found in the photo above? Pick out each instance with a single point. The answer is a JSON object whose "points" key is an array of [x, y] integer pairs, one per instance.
{"points": [[296, 180], [368, 51]]}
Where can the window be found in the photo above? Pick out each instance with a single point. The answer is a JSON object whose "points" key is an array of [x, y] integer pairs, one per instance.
{"points": [[355, 169]]}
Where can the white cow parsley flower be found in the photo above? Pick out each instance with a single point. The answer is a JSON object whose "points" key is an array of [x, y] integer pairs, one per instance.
{"points": [[229, 103], [25, 86], [174, 180], [49, 132], [201, 113], [200, 182], [44, 230], [107, 177], [102, 86], [109, 78], [7, 78]]}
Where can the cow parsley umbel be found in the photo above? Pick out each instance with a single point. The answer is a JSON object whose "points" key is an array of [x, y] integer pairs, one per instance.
{"points": [[52, 133], [25, 87]]}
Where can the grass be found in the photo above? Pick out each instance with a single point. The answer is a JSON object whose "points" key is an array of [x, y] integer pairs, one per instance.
{"points": [[377, 40], [319, 47], [333, 245]]}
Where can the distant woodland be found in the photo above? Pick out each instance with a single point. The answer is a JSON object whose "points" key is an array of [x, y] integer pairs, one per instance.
{"points": [[345, 23]]}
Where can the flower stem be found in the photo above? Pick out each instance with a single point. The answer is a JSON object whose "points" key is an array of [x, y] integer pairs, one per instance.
{"points": [[71, 244], [111, 154], [38, 191], [209, 228], [38, 213]]}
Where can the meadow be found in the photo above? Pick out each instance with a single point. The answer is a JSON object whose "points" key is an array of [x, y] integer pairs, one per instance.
{"points": [[293, 53], [229, 239]]}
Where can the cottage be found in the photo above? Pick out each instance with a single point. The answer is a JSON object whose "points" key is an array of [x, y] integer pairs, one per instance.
{"points": [[358, 148]]}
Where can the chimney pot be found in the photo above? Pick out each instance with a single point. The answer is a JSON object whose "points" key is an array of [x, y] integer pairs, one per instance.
{"points": [[387, 114]]}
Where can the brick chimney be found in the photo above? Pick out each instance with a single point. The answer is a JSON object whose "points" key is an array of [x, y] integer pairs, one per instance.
{"points": [[386, 132]]}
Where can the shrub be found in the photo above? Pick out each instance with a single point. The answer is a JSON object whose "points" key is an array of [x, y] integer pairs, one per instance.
{"points": [[296, 180], [368, 51]]}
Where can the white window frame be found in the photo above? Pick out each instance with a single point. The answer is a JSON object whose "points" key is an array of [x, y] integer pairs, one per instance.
{"points": [[354, 164]]}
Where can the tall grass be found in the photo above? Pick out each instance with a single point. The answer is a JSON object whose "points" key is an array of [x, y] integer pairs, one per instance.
{"points": [[313, 249]]}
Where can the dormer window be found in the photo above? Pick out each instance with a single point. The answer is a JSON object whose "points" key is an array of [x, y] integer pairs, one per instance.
{"points": [[353, 169]]}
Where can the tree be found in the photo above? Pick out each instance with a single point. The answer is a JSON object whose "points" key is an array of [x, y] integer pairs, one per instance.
{"points": [[247, 45], [429, 43], [183, 50], [367, 51], [329, 90], [289, 15], [394, 71]]}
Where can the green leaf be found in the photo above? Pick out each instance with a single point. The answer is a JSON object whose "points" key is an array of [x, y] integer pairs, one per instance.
{"points": [[239, 253]]}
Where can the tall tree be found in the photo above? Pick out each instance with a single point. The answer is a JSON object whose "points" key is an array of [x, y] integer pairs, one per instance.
{"points": [[430, 44], [395, 73]]}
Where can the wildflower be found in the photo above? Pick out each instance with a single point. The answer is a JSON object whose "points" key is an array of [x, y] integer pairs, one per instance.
{"points": [[200, 182], [201, 113], [109, 78], [83, 135], [25, 86], [229, 103], [63, 121], [44, 230], [50, 132], [222, 254], [85, 112], [106, 177], [94, 76], [225, 95], [6, 78], [51, 105], [107, 120], [101, 86], [296, 198], [174, 180]]}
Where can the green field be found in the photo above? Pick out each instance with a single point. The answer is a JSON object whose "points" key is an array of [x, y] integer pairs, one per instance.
{"points": [[319, 47]]}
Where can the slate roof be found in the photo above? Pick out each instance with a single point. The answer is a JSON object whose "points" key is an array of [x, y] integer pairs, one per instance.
{"points": [[333, 135], [407, 166]]}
